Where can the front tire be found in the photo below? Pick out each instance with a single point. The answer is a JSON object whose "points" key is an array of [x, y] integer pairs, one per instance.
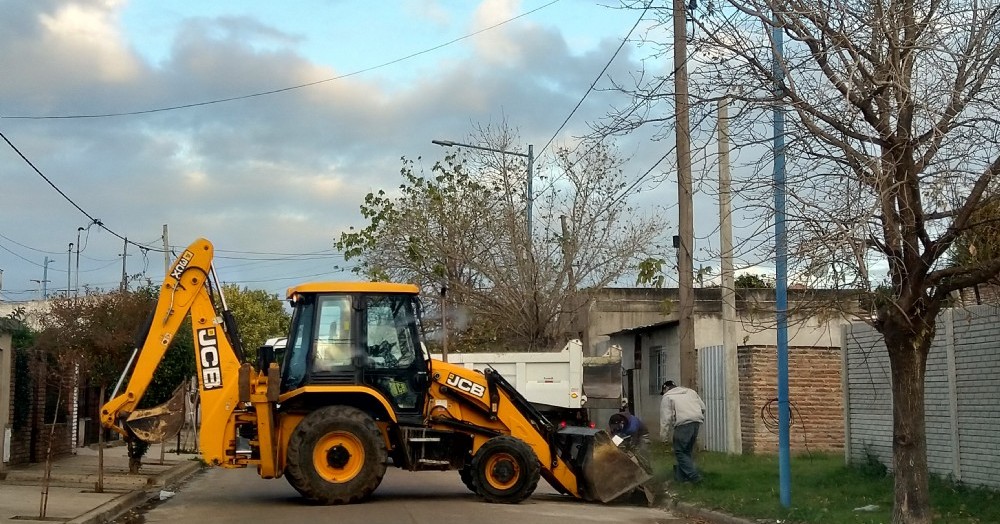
{"points": [[336, 456], [505, 470], [466, 475]]}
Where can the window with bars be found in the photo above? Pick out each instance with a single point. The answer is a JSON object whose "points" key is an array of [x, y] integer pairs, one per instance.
{"points": [[657, 368]]}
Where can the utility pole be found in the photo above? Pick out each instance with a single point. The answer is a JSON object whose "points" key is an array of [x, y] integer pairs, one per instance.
{"points": [[124, 254], [781, 270], [685, 206], [734, 441], [69, 271], [45, 278], [76, 288], [166, 252], [444, 321], [567, 254]]}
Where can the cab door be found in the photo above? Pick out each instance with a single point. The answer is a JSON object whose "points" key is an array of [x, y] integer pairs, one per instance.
{"points": [[394, 363]]}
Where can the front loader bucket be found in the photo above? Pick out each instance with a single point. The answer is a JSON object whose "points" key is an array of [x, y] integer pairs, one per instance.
{"points": [[158, 423], [608, 471], [611, 472]]}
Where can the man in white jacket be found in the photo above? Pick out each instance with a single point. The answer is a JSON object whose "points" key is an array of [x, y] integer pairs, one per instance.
{"points": [[682, 413]]}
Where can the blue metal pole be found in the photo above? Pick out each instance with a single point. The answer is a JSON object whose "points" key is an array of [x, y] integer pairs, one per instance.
{"points": [[781, 274]]}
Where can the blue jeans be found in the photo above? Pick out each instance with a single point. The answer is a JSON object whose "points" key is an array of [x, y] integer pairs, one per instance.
{"points": [[685, 436]]}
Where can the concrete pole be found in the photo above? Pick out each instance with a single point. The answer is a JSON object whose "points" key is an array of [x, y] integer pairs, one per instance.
{"points": [[45, 278], [124, 254], [734, 440], [76, 285], [530, 190], [69, 271], [166, 252], [685, 263]]}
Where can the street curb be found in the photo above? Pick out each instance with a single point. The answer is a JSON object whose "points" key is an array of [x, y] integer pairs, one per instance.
{"points": [[714, 516], [176, 474], [113, 508], [118, 506], [691, 510]]}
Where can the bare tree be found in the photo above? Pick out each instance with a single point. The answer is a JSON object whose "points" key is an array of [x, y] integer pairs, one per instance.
{"points": [[892, 152], [464, 228]]}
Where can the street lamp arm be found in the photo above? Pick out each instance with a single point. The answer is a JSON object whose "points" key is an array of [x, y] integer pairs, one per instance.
{"points": [[449, 143]]}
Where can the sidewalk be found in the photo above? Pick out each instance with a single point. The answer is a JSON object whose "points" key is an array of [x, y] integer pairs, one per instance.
{"points": [[71, 495]]}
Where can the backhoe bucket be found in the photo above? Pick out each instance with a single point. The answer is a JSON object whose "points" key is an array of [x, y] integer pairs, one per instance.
{"points": [[158, 423], [609, 472]]}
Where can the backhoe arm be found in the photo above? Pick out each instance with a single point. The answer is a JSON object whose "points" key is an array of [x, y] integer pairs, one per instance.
{"points": [[185, 290]]}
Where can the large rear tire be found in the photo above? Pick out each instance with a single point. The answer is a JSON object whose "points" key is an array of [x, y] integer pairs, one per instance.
{"points": [[505, 470], [336, 456]]}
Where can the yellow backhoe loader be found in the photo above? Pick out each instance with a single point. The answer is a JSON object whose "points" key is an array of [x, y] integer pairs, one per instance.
{"points": [[354, 393]]}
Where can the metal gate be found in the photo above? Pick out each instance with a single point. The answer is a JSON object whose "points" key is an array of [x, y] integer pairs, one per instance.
{"points": [[712, 386]]}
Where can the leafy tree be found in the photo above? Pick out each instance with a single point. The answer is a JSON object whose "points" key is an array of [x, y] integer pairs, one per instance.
{"points": [[751, 281], [22, 340], [259, 315], [891, 151], [464, 231], [94, 335]]}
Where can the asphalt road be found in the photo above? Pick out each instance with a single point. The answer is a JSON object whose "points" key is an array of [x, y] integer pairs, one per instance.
{"points": [[240, 496]]}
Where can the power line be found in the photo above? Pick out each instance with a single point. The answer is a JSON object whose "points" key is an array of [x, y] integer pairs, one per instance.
{"points": [[21, 257], [29, 247], [283, 89], [597, 79], [96, 221]]}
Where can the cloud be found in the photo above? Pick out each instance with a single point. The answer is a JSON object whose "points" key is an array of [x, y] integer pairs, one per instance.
{"points": [[285, 172]]}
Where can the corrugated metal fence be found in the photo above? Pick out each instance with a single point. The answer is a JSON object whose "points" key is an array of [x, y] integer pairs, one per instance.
{"points": [[712, 388]]}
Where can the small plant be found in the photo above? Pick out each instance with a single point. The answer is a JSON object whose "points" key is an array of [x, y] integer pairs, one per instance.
{"points": [[872, 467]]}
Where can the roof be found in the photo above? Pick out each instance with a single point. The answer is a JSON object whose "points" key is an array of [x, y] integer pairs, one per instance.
{"points": [[352, 287], [646, 327]]}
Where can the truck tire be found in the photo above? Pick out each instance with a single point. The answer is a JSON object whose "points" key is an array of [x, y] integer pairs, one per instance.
{"points": [[336, 456], [505, 470]]}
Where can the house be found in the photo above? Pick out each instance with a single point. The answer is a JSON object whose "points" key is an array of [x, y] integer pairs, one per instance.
{"points": [[644, 323]]}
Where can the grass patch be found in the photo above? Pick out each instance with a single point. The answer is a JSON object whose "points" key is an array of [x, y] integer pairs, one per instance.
{"points": [[823, 490]]}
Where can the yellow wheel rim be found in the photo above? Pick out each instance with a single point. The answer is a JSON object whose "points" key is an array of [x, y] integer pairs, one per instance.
{"points": [[338, 456], [502, 471]]}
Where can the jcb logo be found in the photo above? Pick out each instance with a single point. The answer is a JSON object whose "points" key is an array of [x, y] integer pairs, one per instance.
{"points": [[181, 265], [208, 359], [465, 385]]}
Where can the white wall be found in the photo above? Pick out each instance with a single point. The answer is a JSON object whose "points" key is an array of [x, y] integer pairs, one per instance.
{"points": [[962, 397]]}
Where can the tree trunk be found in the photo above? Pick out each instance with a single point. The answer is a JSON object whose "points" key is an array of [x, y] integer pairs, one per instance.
{"points": [[99, 487], [908, 346]]}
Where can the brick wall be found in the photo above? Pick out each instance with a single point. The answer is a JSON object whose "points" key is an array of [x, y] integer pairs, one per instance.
{"points": [[814, 391], [30, 442]]}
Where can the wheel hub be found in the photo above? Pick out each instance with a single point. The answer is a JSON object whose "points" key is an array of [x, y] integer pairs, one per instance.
{"points": [[503, 471], [338, 457]]}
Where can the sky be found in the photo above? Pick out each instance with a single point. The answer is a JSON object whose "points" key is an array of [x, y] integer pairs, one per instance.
{"points": [[272, 180]]}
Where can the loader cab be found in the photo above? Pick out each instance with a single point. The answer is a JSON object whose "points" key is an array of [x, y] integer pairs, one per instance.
{"points": [[346, 334]]}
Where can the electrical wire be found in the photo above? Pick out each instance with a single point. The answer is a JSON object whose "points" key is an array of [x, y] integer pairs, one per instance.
{"points": [[596, 143], [769, 417], [283, 89], [597, 79]]}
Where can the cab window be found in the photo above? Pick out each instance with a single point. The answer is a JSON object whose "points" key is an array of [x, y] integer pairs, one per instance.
{"points": [[390, 332], [332, 345]]}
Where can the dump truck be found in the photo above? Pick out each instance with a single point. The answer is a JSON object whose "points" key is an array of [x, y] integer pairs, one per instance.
{"points": [[565, 386], [354, 393]]}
